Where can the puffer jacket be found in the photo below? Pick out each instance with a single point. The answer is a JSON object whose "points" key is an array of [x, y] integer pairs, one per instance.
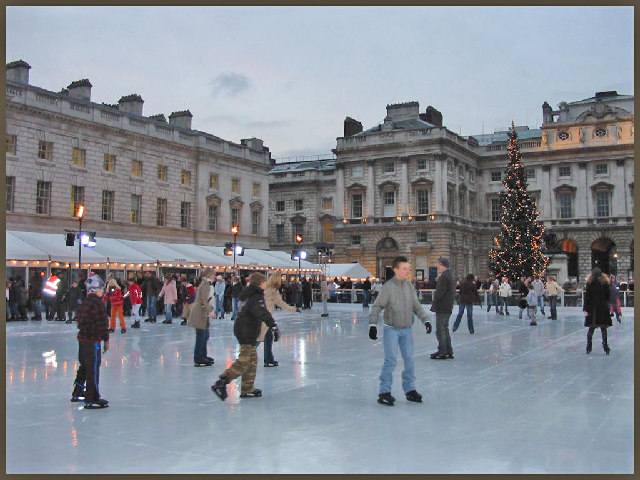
{"points": [[253, 313]]}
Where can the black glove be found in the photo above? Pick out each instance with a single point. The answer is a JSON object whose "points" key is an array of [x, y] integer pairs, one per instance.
{"points": [[276, 333], [428, 326], [373, 332]]}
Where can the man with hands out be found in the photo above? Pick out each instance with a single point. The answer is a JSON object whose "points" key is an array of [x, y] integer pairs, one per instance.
{"points": [[400, 303]]}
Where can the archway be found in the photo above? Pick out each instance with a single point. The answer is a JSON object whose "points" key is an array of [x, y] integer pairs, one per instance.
{"points": [[570, 249], [386, 251], [602, 255]]}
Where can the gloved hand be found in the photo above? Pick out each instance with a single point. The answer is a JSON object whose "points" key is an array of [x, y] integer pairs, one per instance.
{"points": [[373, 332], [276, 333], [428, 327]]}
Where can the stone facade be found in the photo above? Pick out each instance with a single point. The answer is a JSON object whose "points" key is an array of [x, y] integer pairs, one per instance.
{"points": [[67, 140], [410, 186]]}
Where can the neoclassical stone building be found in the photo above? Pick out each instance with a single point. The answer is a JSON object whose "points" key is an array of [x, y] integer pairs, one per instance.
{"points": [[410, 186], [139, 177]]}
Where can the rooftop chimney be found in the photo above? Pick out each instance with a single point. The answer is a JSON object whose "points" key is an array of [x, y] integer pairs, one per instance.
{"points": [[181, 119], [351, 127], [80, 89], [18, 72], [131, 104], [432, 116], [612, 93], [402, 111], [253, 143], [159, 117]]}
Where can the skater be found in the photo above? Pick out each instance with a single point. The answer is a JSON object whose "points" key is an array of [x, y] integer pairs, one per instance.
{"points": [[468, 294], [324, 295], [236, 288], [114, 295], [247, 328], [35, 295], [400, 303], [135, 295], [75, 299], [614, 301], [443, 306], [504, 293], [366, 293], [271, 299], [538, 287], [152, 286], [492, 299], [170, 294], [596, 307], [523, 290], [189, 297], [306, 294], [219, 295], [92, 326], [532, 304], [553, 289], [200, 312]]}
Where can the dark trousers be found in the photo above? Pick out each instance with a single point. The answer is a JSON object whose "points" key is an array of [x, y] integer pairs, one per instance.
{"points": [[442, 333], [268, 347], [88, 376], [366, 295], [603, 330], [553, 300], [461, 309], [200, 350]]}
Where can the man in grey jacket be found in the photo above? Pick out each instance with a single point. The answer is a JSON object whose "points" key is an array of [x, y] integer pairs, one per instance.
{"points": [[400, 303], [443, 306]]}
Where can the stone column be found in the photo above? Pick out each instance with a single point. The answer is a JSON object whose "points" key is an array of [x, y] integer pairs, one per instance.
{"points": [[371, 189], [547, 202], [619, 205], [583, 194], [440, 183], [404, 184], [339, 207]]}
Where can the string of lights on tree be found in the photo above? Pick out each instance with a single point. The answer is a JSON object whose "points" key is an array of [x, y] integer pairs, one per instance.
{"points": [[516, 251]]}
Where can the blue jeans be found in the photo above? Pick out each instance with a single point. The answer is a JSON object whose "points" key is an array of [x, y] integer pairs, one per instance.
{"points": [[200, 350], [492, 300], [168, 312], [393, 338], [219, 306], [37, 307], [461, 309], [14, 310], [234, 303], [553, 300], [152, 307], [268, 347], [541, 303], [503, 302], [366, 295]]}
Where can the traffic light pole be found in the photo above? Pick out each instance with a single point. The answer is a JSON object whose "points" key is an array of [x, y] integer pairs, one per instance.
{"points": [[80, 251], [234, 253]]}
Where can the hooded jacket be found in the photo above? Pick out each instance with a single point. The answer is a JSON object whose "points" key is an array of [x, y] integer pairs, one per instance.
{"points": [[253, 313]]}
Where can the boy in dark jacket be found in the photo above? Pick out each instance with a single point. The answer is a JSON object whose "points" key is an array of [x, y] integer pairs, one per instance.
{"points": [[443, 306], [93, 328], [247, 329], [468, 294], [75, 300]]}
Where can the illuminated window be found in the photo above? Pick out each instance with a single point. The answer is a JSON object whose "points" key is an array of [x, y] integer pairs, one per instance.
{"points": [[235, 185], [213, 181], [136, 168], [136, 207], [256, 190], [109, 164], [12, 141], [45, 150], [163, 172], [79, 156], [185, 177], [77, 198]]}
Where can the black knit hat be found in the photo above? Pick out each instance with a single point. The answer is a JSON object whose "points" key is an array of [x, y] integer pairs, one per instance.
{"points": [[444, 261]]}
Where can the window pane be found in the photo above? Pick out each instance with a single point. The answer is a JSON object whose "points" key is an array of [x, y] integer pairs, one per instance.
{"points": [[77, 198], [161, 212], [235, 216], [11, 186], [213, 217], [255, 223], [235, 185], [136, 168], [43, 198], [280, 206], [256, 190], [564, 171], [356, 205], [79, 156], [186, 177], [213, 181], [11, 144], [602, 204], [109, 163], [422, 206], [280, 233], [136, 204], [496, 210], [565, 205]]}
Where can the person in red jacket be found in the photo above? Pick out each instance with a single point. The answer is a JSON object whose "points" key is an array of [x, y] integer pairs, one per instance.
{"points": [[134, 292], [117, 300]]}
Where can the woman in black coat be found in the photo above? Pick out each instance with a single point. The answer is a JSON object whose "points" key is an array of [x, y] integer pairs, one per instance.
{"points": [[596, 307]]}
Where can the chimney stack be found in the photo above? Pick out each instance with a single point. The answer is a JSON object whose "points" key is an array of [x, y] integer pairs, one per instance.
{"points": [[253, 143], [181, 119], [80, 89], [18, 72], [432, 116], [131, 104], [351, 127]]}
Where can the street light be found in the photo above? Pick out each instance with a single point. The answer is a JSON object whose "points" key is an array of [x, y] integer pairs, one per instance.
{"points": [[298, 253], [80, 215], [234, 229]]}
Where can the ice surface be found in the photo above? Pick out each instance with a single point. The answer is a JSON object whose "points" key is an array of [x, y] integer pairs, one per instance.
{"points": [[516, 399]]}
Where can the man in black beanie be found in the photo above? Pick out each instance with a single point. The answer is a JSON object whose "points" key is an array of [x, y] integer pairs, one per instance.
{"points": [[443, 306]]}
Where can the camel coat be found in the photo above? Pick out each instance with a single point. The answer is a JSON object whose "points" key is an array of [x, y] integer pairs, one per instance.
{"points": [[272, 297], [201, 307]]}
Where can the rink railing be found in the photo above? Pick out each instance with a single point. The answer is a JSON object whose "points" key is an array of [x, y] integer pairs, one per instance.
{"points": [[572, 298]]}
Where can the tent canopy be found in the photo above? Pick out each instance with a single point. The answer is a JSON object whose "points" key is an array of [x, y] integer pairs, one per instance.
{"points": [[349, 270]]}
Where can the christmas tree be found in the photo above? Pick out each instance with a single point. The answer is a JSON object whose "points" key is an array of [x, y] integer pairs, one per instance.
{"points": [[517, 249]]}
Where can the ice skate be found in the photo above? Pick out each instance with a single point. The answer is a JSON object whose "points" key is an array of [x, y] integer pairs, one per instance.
{"points": [[271, 364], [438, 356], [253, 394], [123, 330], [413, 396], [99, 403], [386, 399], [220, 388], [203, 363], [136, 324]]}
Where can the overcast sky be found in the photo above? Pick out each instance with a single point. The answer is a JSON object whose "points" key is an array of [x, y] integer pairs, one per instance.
{"points": [[290, 75]]}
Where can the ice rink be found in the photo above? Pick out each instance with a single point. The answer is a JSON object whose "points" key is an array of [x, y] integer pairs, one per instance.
{"points": [[516, 399]]}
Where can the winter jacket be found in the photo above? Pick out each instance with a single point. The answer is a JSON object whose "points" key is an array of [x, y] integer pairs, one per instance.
{"points": [[366, 285], [93, 323], [444, 294], [14, 292], [75, 297], [35, 288], [468, 292], [538, 287], [190, 297], [201, 308], [596, 304], [115, 297], [220, 287], [236, 288], [505, 289], [152, 286], [253, 313], [400, 303], [272, 297], [169, 292], [135, 294], [532, 298], [553, 288]]}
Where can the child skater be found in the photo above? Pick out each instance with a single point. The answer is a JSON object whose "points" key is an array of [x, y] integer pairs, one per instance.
{"points": [[532, 304]]}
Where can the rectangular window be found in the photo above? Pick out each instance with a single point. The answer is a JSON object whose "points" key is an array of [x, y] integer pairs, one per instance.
{"points": [[390, 198], [136, 207], [327, 203], [212, 214], [496, 176], [327, 233], [107, 205], [566, 210], [45, 150], [531, 174], [235, 216], [356, 205], [450, 201], [255, 223], [602, 169], [79, 156], [12, 141], [496, 210], [185, 214], [298, 205], [77, 198], [235, 185], [185, 178], [298, 229], [279, 233], [109, 164], [356, 171], [355, 239], [421, 237], [389, 167], [280, 206], [213, 181], [472, 206], [136, 168], [163, 172], [298, 174], [564, 171], [161, 212], [422, 164], [11, 188], [462, 204], [256, 190], [602, 204], [422, 202], [43, 198]]}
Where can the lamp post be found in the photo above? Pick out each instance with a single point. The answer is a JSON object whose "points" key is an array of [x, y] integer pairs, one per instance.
{"points": [[299, 239], [234, 229], [80, 215]]}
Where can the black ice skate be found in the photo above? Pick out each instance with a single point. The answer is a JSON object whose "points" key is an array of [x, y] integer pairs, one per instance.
{"points": [[254, 394], [606, 348], [123, 330], [413, 396], [220, 388], [271, 364], [438, 356], [99, 403], [78, 396], [386, 399], [136, 324], [183, 322], [203, 363]]}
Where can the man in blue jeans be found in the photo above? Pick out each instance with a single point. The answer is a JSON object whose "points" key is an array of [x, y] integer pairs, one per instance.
{"points": [[400, 303]]}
